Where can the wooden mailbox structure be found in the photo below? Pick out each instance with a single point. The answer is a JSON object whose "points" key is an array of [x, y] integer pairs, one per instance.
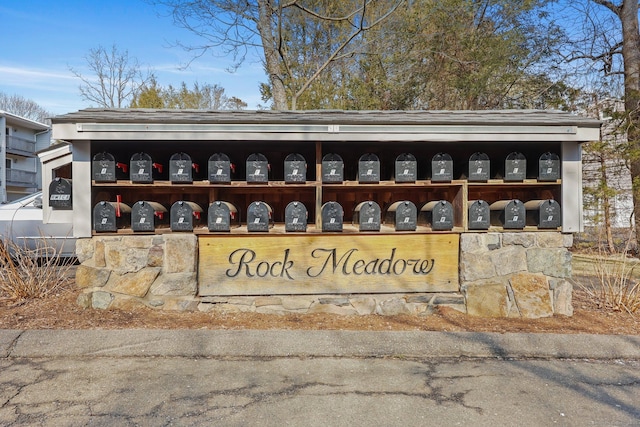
{"points": [[352, 159]]}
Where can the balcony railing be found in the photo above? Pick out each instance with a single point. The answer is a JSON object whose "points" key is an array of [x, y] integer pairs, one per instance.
{"points": [[20, 146], [20, 178]]}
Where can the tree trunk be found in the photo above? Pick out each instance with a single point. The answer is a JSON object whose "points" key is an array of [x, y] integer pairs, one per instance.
{"points": [[273, 64], [631, 54]]}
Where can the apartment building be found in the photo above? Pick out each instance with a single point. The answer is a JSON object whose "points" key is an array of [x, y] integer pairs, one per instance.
{"points": [[20, 171]]}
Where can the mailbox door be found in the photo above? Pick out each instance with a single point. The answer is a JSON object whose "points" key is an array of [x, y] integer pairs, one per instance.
{"points": [[332, 168], [181, 217], [369, 168], [514, 215], [104, 217], [332, 216], [219, 217], [549, 214], [295, 168], [406, 169], [549, 167], [295, 217], [406, 217], [369, 216], [479, 215], [219, 167], [258, 217], [60, 196], [103, 168], [142, 217], [515, 167], [180, 168], [141, 168], [479, 167], [441, 168], [442, 216], [257, 168]]}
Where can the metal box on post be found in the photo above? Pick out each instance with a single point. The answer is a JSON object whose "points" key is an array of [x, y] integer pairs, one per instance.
{"points": [[543, 213], [332, 216], [144, 214], [479, 167], [141, 168], [220, 168], [221, 215], [107, 216], [438, 215], [441, 168], [257, 168], [60, 194], [479, 215], [295, 217], [508, 214], [549, 167], [259, 216], [403, 215], [295, 168], [181, 168], [183, 215], [367, 215], [104, 167], [369, 168], [332, 168], [515, 167], [406, 169]]}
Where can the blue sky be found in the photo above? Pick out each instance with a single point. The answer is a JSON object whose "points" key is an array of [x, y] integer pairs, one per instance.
{"points": [[41, 39]]}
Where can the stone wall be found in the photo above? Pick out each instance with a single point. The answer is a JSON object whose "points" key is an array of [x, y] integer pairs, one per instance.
{"points": [[516, 274], [501, 274]]}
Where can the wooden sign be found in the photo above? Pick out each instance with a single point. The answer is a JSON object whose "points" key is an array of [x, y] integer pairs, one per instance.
{"points": [[333, 264]]}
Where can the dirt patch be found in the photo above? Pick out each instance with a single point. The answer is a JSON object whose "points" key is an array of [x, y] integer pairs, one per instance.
{"points": [[60, 311]]}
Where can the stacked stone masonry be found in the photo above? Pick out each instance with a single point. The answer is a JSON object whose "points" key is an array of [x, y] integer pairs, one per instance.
{"points": [[501, 275]]}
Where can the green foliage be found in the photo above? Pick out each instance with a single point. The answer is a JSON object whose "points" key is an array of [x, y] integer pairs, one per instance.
{"points": [[203, 97]]}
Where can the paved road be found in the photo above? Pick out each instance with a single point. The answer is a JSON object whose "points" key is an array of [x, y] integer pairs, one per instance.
{"points": [[114, 378]]}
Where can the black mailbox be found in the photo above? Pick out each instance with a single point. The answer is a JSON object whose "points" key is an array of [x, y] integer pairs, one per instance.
{"points": [[181, 168], [183, 215], [221, 215], [543, 213], [141, 168], [438, 215], [332, 168], [367, 216], [220, 168], [60, 194], [441, 168], [479, 215], [549, 167], [369, 168], [515, 167], [257, 168], [508, 214], [108, 216], [295, 217], [145, 215], [295, 168], [332, 216], [259, 216], [479, 167], [104, 167], [406, 168], [403, 215]]}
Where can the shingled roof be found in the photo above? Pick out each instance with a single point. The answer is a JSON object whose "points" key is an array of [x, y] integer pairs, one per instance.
{"points": [[458, 117]]}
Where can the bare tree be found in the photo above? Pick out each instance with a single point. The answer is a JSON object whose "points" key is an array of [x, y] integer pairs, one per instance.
{"points": [[234, 27], [115, 77], [23, 107]]}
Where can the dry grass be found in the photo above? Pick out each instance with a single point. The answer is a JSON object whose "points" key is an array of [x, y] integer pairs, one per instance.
{"points": [[27, 273]]}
